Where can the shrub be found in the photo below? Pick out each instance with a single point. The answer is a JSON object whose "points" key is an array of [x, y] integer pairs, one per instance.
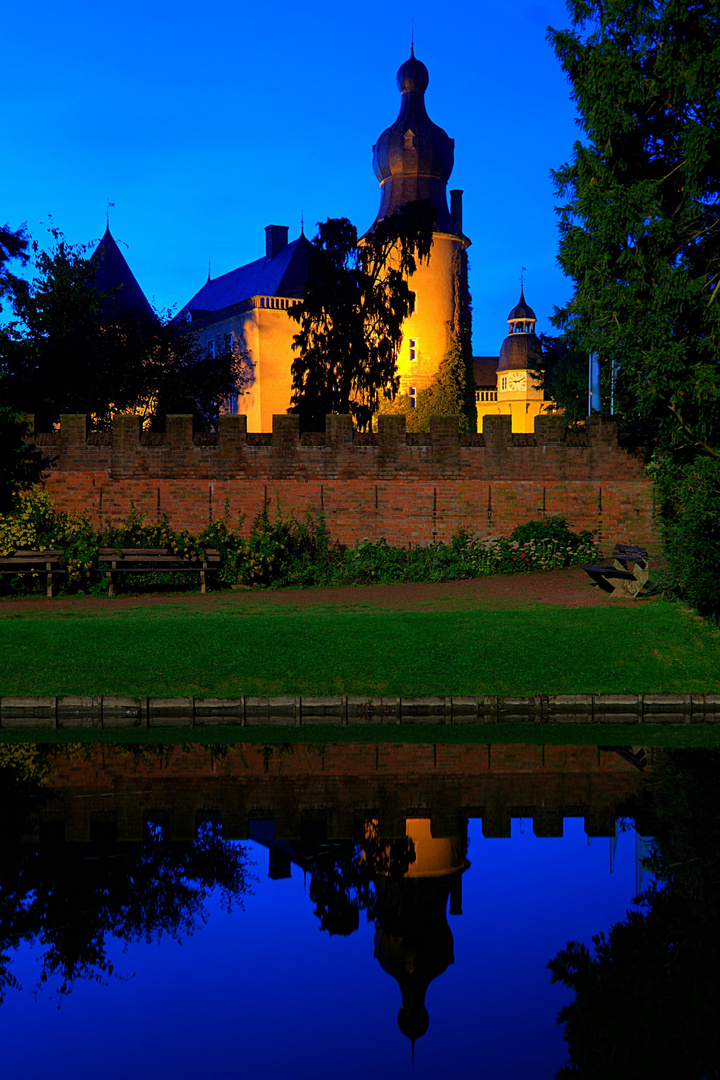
{"points": [[690, 507], [281, 551]]}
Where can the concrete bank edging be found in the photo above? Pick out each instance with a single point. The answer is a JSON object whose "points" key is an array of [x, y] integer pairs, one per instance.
{"points": [[343, 711]]}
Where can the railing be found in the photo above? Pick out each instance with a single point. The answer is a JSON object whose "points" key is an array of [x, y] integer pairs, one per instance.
{"points": [[486, 395], [274, 303]]}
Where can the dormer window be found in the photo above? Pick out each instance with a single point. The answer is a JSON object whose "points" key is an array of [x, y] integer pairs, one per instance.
{"points": [[409, 140]]}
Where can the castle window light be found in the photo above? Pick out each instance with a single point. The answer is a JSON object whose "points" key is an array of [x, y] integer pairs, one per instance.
{"points": [[413, 348], [413, 397], [211, 349]]}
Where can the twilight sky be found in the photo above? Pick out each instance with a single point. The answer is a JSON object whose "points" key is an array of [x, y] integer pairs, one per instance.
{"points": [[202, 125]]}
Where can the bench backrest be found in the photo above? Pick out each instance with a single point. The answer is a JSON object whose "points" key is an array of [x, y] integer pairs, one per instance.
{"points": [[27, 555], [627, 551]]}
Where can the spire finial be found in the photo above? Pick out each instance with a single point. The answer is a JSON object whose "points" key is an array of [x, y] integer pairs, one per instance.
{"points": [[209, 268], [302, 224], [522, 277], [412, 37], [107, 214]]}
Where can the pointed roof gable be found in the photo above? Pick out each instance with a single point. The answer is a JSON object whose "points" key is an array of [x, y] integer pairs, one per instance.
{"points": [[284, 274], [114, 277]]}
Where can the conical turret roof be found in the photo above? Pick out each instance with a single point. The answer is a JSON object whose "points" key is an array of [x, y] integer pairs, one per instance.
{"points": [[114, 277]]}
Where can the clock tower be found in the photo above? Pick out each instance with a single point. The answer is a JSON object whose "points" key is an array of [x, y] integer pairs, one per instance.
{"points": [[517, 390]]}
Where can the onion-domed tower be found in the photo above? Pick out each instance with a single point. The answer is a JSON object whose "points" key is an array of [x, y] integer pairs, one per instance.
{"points": [[413, 160]]}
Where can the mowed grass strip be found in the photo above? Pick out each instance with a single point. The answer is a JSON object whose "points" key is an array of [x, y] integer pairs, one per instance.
{"points": [[653, 648]]}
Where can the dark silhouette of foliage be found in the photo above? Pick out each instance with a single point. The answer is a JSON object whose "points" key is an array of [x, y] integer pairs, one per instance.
{"points": [[71, 349], [564, 377], [13, 244], [690, 507], [647, 997], [357, 298], [639, 224], [68, 905], [21, 463]]}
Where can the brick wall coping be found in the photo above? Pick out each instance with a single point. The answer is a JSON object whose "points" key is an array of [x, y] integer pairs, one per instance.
{"points": [[342, 711]]}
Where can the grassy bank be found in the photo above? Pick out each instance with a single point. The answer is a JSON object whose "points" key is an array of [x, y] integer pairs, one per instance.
{"points": [[668, 735], [652, 648]]}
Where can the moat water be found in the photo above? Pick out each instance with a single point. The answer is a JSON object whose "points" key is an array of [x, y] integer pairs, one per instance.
{"points": [[271, 912]]}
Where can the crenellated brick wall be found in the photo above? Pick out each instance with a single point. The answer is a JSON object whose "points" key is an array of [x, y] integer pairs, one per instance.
{"points": [[408, 488]]}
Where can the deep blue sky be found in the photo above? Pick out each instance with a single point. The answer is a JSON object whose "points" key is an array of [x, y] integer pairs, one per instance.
{"points": [[203, 124]]}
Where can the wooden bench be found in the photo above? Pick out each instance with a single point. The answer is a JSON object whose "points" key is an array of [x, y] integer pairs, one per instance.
{"points": [[618, 580], [26, 561], [154, 561]]}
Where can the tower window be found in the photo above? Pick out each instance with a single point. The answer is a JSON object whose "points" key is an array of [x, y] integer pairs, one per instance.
{"points": [[413, 397], [211, 349], [409, 140], [503, 385], [413, 348]]}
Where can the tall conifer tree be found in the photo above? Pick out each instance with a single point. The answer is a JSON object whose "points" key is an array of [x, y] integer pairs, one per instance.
{"points": [[640, 225]]}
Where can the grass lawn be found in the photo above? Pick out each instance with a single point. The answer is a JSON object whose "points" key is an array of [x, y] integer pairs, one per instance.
{"points": [[166, 652], [667, 735]]}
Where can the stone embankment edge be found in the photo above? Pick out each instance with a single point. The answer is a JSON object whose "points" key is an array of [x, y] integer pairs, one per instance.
{"points": [[348, 711]]}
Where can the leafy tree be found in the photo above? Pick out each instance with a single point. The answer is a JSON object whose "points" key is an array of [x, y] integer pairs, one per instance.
{"points": [[647, 996], [357, 298], [13, 244], [68, 905], [71, 348], [21, 463], [639, 225], [564, 377]]}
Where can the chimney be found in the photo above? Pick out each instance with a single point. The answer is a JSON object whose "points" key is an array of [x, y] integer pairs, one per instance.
{"points": [[456, 207], [276, 238]]}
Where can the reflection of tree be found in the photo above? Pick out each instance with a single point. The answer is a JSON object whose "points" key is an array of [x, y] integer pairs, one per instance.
{"points": [[648, 998], [342, 882], [67, 899]]}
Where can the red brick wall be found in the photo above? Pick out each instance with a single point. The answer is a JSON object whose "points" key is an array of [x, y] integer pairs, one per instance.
{"points": [[408, 488], [342, 782]]}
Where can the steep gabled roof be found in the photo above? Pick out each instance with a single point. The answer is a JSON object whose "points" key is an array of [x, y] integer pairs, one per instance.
{"points": [[114, 277], [283, 275]]}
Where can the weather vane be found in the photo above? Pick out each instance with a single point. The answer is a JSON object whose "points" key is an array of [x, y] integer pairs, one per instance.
{"points": [[522, 276], [412, 37], [107, 213]]}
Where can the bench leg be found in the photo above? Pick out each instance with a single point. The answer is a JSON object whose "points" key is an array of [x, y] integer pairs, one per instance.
{"points": [[48, 587], [202, 582], [108, 575]]}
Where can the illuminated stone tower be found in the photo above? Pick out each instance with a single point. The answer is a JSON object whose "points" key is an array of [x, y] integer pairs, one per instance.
{"points": [[413, 160]]}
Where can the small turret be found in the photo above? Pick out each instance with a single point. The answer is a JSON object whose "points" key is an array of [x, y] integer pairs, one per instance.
{"points": [[520, 351]]}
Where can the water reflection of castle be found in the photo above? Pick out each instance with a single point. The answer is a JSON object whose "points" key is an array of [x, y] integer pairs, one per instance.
{"points": [[380, 829]]}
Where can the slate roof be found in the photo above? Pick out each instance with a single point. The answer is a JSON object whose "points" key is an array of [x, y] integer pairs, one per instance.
{"points": [[283, 275], [114, 276], [485, 372], [522, 310]]}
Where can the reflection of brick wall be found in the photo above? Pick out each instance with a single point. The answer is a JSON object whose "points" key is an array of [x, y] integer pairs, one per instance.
{"points": [[408, 488], [340, 783]]}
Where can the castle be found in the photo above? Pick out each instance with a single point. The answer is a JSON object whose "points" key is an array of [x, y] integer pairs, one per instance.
{"points": [[249, 306]]}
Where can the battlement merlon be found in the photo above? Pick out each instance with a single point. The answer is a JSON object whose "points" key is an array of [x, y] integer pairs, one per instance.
{"points": [[391, 454], [549, 429]]}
